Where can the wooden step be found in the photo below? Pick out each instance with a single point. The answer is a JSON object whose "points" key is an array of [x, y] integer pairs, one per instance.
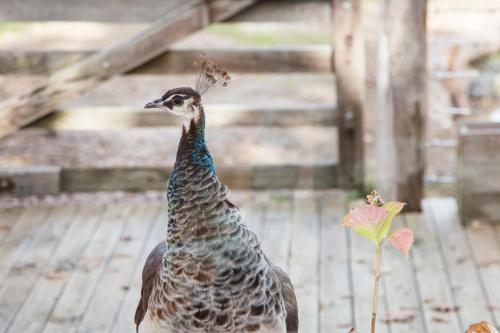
{"points": [[282, 59], [122, 117], [142, 158]]}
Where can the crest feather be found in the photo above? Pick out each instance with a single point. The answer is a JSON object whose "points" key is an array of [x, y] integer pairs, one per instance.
{"points": [[210, 75]]}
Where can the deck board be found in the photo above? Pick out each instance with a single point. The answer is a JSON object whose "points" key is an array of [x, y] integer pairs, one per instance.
{"points": [[89, 262]]}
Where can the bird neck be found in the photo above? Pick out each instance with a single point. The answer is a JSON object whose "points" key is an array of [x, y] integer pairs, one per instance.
{"points": [[192, 146]]}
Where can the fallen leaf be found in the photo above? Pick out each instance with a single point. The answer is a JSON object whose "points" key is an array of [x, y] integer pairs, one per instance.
{"points": [[399, 319], [482, 327], [494, 307], [126, 238], [446, 308], [439, 320], [5, 227]]}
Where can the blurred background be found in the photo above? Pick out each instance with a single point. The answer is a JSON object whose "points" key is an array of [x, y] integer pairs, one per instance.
{"points": [[328, 100]]}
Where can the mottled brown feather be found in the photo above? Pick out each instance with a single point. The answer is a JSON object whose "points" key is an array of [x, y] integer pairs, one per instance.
{"points": [[292, 316], [149, 273]]}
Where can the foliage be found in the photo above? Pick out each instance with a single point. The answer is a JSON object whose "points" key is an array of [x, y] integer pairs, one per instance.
{"points": [[373, 221]]}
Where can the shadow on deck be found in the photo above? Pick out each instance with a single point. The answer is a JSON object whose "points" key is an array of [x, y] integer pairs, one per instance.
{"points": [[76, 268]]}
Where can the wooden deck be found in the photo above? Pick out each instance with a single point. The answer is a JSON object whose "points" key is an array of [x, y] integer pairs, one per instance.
{"points": [[77, 268]]}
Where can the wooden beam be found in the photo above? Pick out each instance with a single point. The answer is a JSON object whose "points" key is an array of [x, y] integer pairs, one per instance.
{"points": [[116, 117], [121, 11], [303, 58], [408, 98], [83, 76], [349, 64]]}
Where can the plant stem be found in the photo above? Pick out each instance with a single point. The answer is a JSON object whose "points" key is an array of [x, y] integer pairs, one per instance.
{"points": [[375, 289]]}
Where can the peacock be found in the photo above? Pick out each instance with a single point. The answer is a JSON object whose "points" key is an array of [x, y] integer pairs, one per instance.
{"points": [[210, 274]]}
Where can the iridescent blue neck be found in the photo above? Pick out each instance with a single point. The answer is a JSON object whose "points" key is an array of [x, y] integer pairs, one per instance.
{"points": [[192, 146]]}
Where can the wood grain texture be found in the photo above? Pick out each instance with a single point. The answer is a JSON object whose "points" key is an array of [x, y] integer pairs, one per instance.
{"points": [[349, 66], [149, 10], [123, 117], [29, 180], [436, 295], [20, 281], [404, 97], [307, 58]]}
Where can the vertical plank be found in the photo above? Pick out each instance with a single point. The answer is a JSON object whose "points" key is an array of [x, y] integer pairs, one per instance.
{"points": [[111, 289], [304, 266], [20, 237], [8, 217], [349, 65], [404, 313], [72, 303], [406, 41], [336, 308], [486, 249], [435, 291], [124, 322], [23, 275], [275, 236], [44, 294], [459, 259]]}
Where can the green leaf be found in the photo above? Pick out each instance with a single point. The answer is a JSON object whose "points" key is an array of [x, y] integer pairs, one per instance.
{"points": [[393, 208], [365, 220]]}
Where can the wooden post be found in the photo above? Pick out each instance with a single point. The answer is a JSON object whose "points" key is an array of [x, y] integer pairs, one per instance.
{"points": [[402, 103], [349, 65]]}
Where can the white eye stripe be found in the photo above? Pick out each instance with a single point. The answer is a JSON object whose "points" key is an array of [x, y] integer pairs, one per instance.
{"points": [[176, 95]]}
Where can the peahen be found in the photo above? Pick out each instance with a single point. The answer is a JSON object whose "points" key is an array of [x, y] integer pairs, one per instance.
{"points": [[210, 275]]}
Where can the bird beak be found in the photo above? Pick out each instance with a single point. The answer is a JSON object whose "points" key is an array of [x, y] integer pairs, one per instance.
{"points": [[154, 104]]}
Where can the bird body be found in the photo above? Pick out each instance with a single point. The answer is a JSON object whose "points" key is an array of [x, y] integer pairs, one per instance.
{"points": [[210, 275]]}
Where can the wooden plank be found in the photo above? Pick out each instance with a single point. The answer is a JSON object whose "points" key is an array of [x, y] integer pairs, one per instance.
{"points": [[8, 217], [20, 237], [131, 11], [46, 291], [483, 240], [110, 292], [466, 285], [83, 76], [304, 265], [28, 266], [253, 213], [276, 230], [280, 59], [436, 296], [335, 296], [117, 178], [349, 64], [80, 288], [405, 99], [478, 171], [124, 321], [404, 313], [30, 180], [117, 117]]}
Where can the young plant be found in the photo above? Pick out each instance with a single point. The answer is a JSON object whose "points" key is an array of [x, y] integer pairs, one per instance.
{"points": [[374, 221]]}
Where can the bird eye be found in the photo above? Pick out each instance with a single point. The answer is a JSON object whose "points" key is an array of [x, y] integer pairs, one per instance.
{"points": [[177, 101]]}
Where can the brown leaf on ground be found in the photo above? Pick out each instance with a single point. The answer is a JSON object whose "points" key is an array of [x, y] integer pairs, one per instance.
{"points": [[126, 238], [446, 308], [488, 263], [5, 227], [493, 307], [439, 320], [54, 275], [399, 319], [482, 327]]}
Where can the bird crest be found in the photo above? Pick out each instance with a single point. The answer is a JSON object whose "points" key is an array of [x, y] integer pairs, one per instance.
{"points": [[210, 75]]}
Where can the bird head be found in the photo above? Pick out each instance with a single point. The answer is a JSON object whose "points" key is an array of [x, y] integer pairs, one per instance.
{"points": [[181, 102], [185, 102]]}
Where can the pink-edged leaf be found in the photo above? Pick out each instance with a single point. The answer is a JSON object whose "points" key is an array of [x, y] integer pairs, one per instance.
{"points": [[367, 216], [402, 239], [392, 208], [365, 220]]}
